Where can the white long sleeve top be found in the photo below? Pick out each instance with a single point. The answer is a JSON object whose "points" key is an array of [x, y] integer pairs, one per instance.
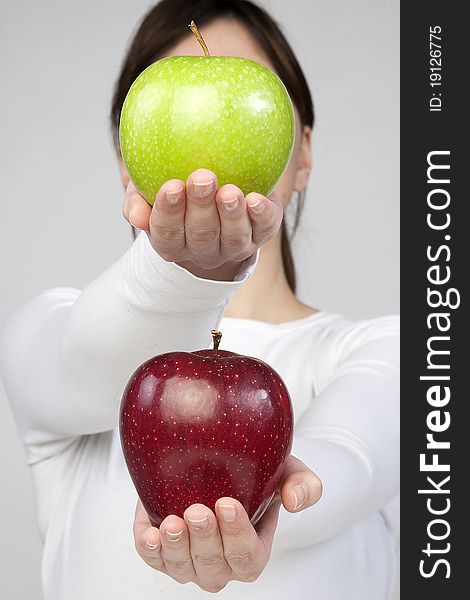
{"points": [[66, 356]]}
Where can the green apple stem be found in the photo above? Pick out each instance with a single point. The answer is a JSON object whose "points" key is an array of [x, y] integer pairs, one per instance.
{"points": [[194, 28], [216, 337]]}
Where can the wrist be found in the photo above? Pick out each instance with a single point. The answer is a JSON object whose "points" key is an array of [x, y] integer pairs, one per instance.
{"points": [[225, 272]]}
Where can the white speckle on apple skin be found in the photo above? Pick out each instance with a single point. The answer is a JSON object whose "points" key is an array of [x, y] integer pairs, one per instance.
{"points": [[227, 114]]}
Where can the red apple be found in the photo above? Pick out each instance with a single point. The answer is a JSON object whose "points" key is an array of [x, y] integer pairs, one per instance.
{"points": [[196, 426]]}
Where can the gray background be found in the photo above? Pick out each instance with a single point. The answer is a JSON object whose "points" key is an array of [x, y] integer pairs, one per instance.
{"points": [[61, 222]]}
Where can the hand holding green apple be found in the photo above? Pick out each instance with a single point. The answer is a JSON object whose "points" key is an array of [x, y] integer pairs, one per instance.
{"points": [[227, 114], [206, 229]]}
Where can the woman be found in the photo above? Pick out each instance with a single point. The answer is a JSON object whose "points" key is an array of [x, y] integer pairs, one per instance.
{"points": [[194, 266]]}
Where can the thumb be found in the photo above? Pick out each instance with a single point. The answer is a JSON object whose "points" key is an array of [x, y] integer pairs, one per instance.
{"points": [[300, 487]]}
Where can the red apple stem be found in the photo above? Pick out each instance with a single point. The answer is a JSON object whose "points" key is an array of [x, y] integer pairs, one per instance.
{"points": [[194, 28], [216, 337]]}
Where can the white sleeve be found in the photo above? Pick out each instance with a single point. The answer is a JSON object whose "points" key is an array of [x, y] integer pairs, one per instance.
{"points": [[349, 436], [66, 356]]}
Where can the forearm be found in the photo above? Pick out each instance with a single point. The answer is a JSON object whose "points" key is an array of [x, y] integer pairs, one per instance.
{"points": [[80, 354], [142, 306], [350, 438]]}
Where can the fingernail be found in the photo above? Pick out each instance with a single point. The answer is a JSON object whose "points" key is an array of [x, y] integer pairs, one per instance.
{"points": [[300, 495], [257, 205], [174, 537], [230, 205], [199, 524], [202, 188], [228, 512], [173, 196], [151, 546]]}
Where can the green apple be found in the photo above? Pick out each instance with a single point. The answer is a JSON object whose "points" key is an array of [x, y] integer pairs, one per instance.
{"points": [[224, 113]]}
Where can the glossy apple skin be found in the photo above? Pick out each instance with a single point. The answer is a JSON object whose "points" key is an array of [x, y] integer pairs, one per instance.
{"points": [[224, 113], [196, 426]]}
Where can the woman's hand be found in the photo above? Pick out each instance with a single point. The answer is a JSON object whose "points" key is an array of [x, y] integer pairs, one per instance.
{"points": [[213, 549], [203, 228]]}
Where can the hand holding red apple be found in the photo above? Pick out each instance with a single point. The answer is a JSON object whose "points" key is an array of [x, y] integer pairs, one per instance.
{"points": [[188, 422], [202, 227], [196, 426], [210, 550]]}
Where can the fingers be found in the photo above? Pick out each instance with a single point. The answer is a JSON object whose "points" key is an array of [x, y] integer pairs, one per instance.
{"points": [[235, 224], [266, 527], [175, 549], [136, 209], [147, 538], [243, 550], [200, 227], [300, 487], [167, 220], [206, 548], [265, 215], [202, 222]]}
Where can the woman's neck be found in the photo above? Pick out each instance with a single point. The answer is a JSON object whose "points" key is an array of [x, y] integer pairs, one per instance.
{"points": [[267, 295]]}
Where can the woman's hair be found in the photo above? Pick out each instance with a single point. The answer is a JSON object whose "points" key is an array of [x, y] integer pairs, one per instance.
{"points": [[167, 22]]}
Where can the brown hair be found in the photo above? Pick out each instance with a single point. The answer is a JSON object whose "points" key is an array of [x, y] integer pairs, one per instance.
{"points": [[167, 22]]}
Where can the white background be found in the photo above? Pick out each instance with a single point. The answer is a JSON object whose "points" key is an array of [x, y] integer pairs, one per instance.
{"points": [[61, 197]]}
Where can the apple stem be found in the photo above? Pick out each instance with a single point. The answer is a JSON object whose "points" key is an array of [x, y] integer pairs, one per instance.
{"points": [[194, 28], [216, 337]]}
